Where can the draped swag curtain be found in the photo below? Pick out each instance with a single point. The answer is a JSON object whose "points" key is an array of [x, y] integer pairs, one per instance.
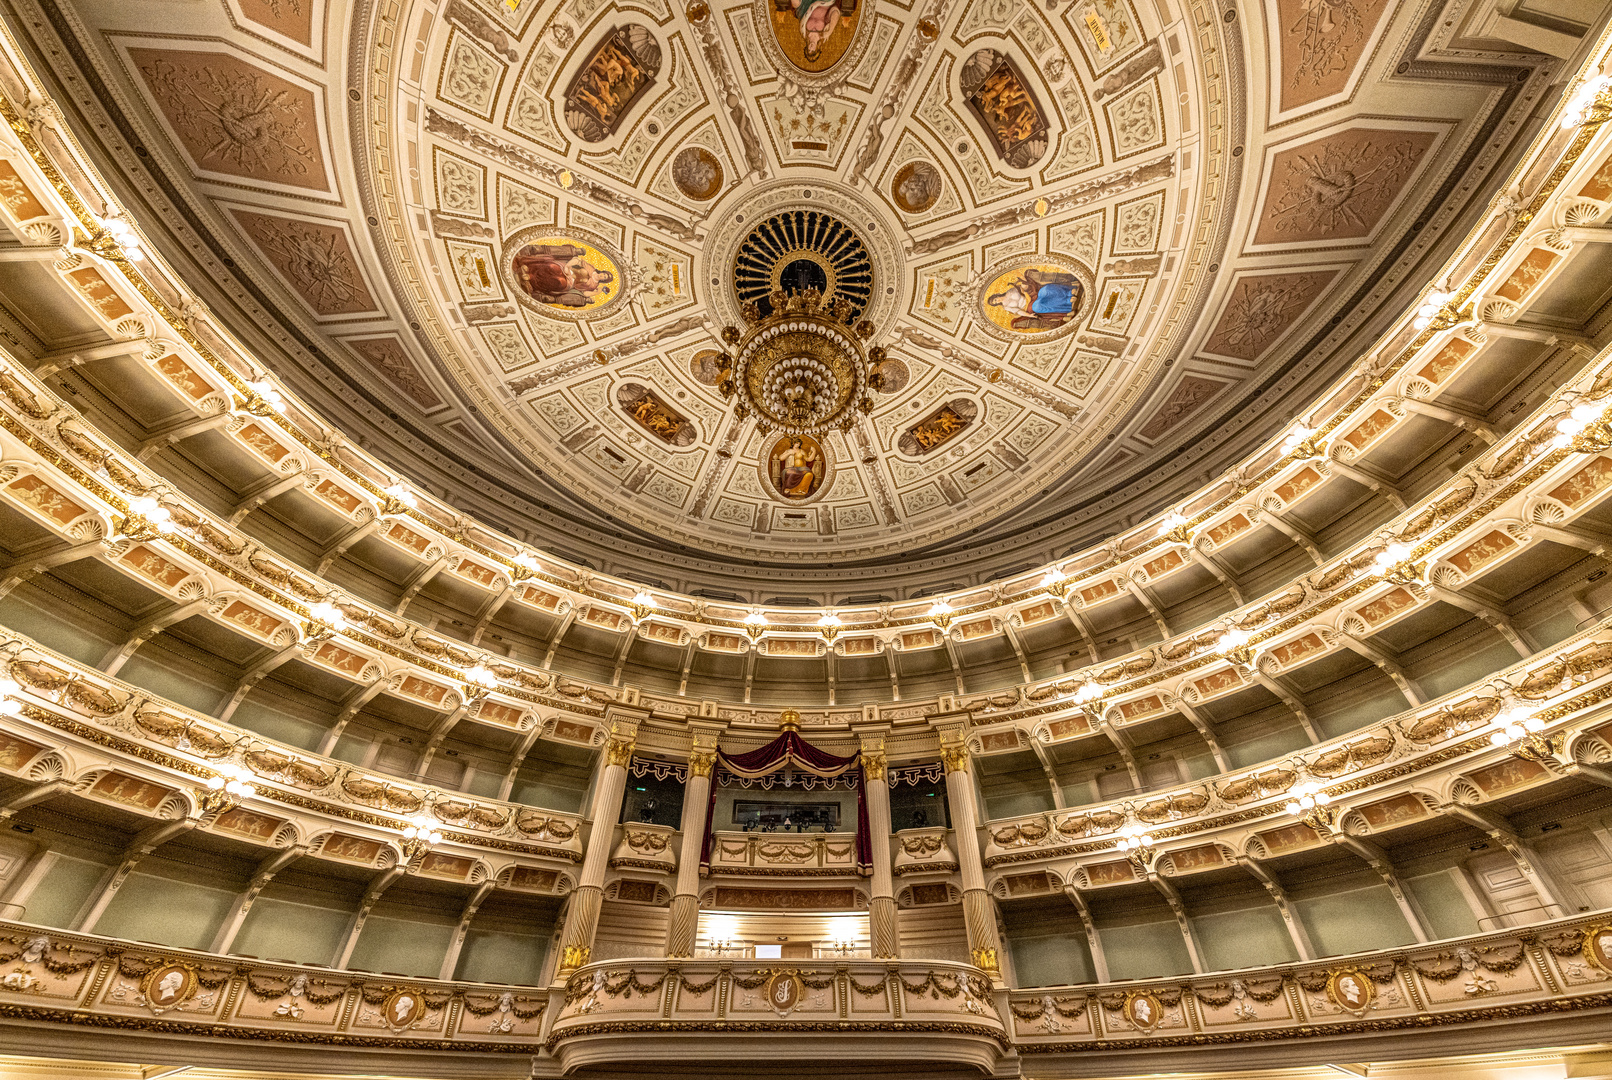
{"points": [[789, 750]]}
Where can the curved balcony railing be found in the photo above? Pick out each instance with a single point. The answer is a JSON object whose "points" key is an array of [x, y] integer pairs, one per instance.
{"points": [[1280, 473], [114, 724], [928, 1012], [712, 1011], [1548, 969], [1487, 514]]}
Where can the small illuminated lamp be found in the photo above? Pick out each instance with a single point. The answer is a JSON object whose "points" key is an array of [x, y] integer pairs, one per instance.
{"points": [[829, 624], [480, 675], [232, 780], [1052, 578], [329, 614], [402, 494], [756, 618], [1307, 796], [1173, 521], [1513, 725], [1432, 303], [527, 561], [126, 238], [1088, 692], [1578, 106], [270, 393], [1136, 843], [418, 835], [153, 511], [1579, 418], [8, 705], [1297, 436], [1394, 552], [1234, 638]]}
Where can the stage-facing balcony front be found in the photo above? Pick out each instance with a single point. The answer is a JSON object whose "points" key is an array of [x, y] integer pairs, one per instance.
{"points": [[839, 1017]]}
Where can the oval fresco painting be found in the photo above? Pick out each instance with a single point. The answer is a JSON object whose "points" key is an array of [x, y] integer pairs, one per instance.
{"points": [[814, 34], [1038, 298], [570, 276], [797, 468]]}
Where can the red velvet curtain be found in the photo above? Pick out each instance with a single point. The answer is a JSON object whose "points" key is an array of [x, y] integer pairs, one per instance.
{"points": [[789, 750]]}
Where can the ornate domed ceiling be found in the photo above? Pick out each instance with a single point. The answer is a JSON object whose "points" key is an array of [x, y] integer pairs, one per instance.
{"points": [[1105, 245]]}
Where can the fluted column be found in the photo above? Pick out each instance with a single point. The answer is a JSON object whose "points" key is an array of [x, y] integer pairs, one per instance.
{"points": [[979, 912], [582, 914], [883, 928], [684, 916]]}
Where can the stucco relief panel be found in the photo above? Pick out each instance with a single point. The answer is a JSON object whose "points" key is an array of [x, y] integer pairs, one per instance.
{"points": [[235, 119], [1260, 309], [315, 258], [1340, 187]]}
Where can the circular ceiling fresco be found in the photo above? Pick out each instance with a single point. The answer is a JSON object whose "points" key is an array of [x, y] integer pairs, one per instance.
{"points": [[1101, 242]]}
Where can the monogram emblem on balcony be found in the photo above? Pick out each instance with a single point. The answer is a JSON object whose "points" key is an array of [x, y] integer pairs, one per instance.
{"points": [[783, 991]]}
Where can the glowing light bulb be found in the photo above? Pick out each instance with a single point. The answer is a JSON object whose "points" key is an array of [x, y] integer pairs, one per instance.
{"points": [[403, 495], [329, 614], [830, 620]]}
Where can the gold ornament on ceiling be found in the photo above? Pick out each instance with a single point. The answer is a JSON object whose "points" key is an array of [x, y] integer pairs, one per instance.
{"points": [[800, 370]]}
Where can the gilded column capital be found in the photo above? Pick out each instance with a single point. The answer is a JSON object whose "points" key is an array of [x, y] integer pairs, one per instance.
{"points": [[701, 762], [955, 757], [619, 750], [873, 764]]}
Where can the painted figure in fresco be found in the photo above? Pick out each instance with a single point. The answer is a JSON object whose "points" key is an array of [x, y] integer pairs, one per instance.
{"points": [[937, 430], [1040, 299], [560, 274], [794, 470], [650, 414], [609, 83], [818, 20]]}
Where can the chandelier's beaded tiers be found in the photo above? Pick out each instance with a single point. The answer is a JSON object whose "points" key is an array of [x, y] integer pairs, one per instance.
{"points": [[800, 370]]}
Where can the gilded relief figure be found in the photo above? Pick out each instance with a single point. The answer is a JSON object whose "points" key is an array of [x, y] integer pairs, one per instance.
{"points": [[936, 430], [1003, 102], [623, 65], [795, 467]]}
